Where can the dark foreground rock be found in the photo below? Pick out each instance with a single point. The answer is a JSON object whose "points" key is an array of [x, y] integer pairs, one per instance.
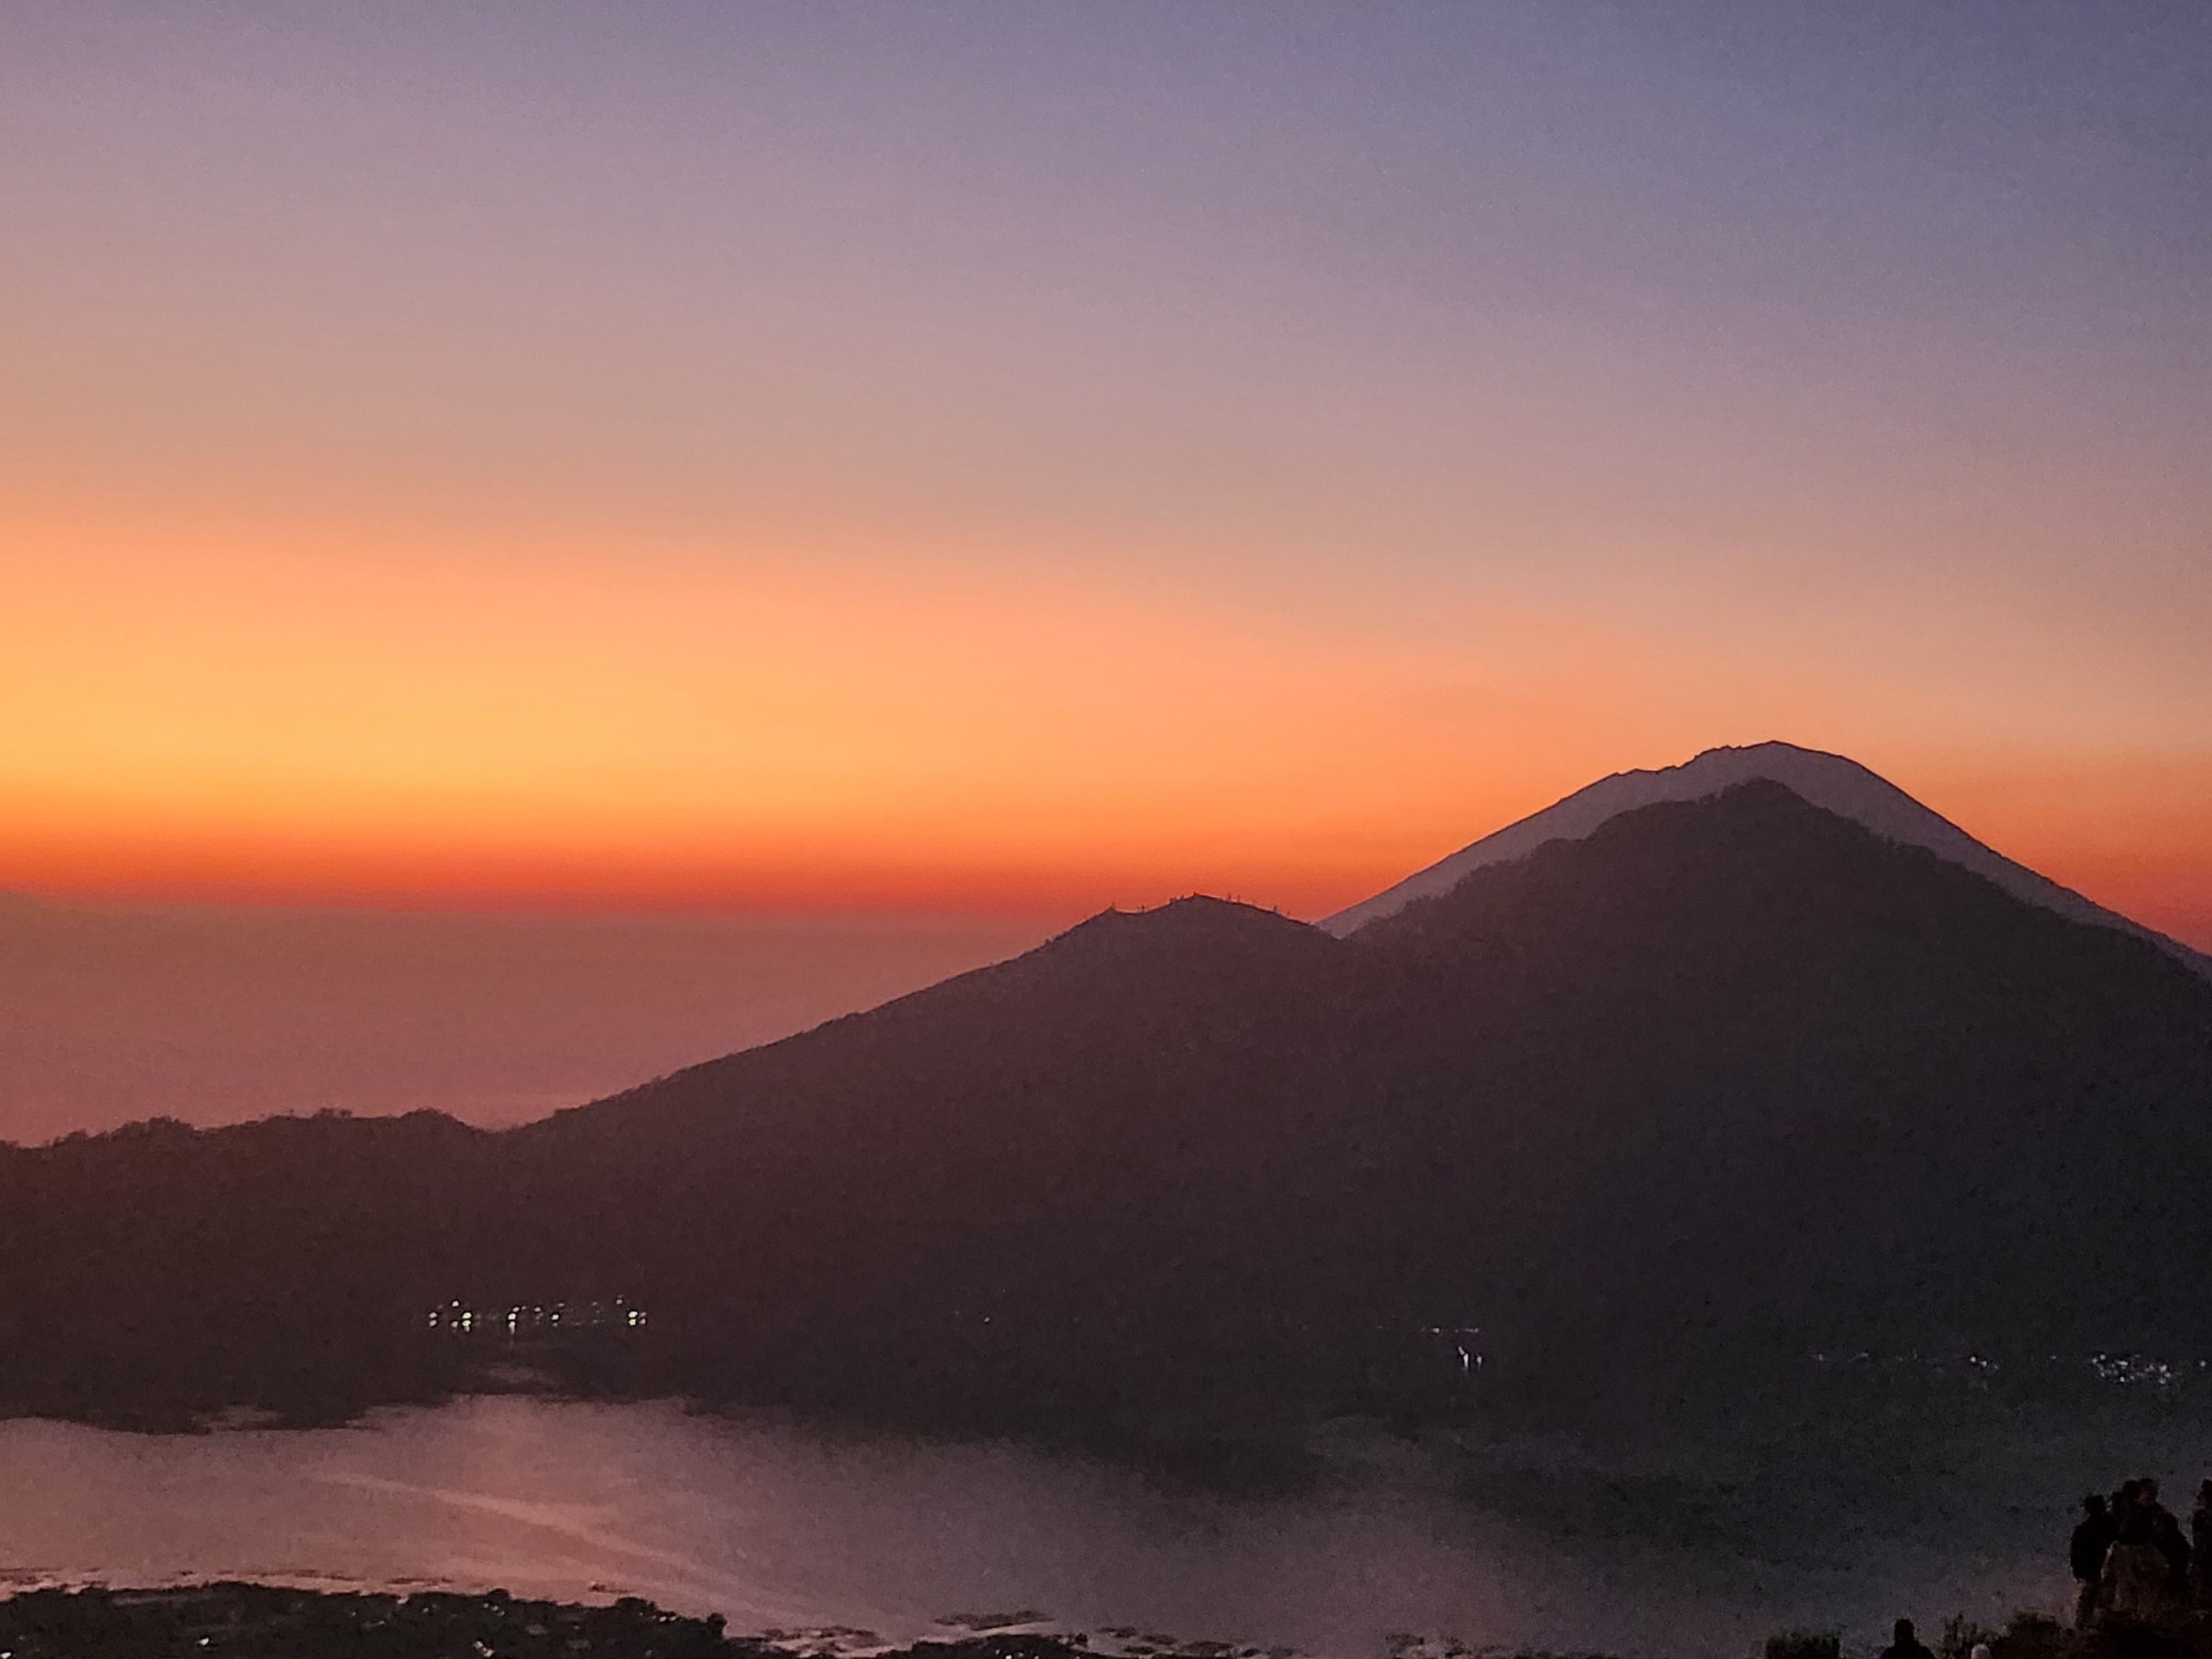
{"points": [[2030, 1635], [265, 1622], [261, 1621]]}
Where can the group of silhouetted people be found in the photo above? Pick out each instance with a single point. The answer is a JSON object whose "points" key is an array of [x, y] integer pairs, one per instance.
{"points": [[2133, 1562]]}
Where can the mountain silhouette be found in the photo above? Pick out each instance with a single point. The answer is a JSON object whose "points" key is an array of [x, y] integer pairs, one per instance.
{"points": [[1831, 782], [1660, 1108]]}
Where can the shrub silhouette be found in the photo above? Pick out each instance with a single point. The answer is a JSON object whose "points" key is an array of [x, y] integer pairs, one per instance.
{"points": [[1805, 1644]]}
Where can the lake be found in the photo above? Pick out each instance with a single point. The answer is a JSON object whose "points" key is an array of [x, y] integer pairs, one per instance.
{"points": [[782, 1528]]}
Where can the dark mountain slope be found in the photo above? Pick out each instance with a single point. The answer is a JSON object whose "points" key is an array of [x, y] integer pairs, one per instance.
{"points": [[1740, 1060], [1728, 1078], [1730, 1072], [161, 1269], [1101, 1143]]}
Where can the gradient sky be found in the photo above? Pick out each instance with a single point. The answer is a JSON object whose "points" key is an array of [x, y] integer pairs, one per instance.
{"points": [[1025, 457]]}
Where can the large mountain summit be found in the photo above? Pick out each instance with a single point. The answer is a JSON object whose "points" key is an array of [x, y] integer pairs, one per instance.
{"points": [[1832, 782], [1730, 1074]]}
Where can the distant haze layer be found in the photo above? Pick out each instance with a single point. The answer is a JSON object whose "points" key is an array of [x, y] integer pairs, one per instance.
{"points": [[217, 1015]]}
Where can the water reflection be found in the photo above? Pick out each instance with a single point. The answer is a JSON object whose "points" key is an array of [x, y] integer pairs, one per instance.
{"points": [[779, 1527]]}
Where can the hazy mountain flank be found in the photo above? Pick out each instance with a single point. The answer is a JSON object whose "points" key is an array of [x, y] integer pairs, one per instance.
{"points": [[1661, 1107]]}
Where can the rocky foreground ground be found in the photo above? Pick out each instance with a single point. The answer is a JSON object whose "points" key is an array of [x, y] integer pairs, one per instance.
{"points": [[2029, 1636], [260, 1621]]}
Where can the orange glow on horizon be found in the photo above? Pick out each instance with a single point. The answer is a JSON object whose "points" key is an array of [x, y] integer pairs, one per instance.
{"points": [[730, 458], [276, 715]]}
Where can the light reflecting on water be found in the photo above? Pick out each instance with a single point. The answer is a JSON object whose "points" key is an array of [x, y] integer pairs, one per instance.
{"points": [[778, 1528]]}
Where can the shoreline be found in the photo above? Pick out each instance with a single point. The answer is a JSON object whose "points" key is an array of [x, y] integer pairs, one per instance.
{"points": [[238, 1619], [252, 1619]]}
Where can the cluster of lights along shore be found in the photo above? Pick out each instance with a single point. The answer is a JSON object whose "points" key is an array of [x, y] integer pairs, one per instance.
{"points": [[537, 1319], [2123, 1370]]}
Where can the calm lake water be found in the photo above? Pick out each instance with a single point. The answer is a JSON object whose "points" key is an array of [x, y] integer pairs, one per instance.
{"points": [[781, 1528]]}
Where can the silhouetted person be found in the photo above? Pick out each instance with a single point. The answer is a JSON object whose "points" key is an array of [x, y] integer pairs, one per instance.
{"points": [[2171, 1544], [2200, 1538], [2136, 1573], [1905, 1644], [2093, 1539]]}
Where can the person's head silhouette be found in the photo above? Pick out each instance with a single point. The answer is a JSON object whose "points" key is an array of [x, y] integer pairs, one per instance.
{"points": [[1903, 1632]]}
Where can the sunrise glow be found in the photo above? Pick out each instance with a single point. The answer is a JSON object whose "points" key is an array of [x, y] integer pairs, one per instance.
{"points": [[633, 487]]}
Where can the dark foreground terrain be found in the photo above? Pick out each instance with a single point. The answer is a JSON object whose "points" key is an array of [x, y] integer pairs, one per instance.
{"points": [[257, 1620], [260, 1621], [2029, 1636]]}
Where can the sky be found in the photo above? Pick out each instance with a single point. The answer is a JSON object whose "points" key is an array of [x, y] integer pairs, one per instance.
{"points": [[1001, 460]]}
